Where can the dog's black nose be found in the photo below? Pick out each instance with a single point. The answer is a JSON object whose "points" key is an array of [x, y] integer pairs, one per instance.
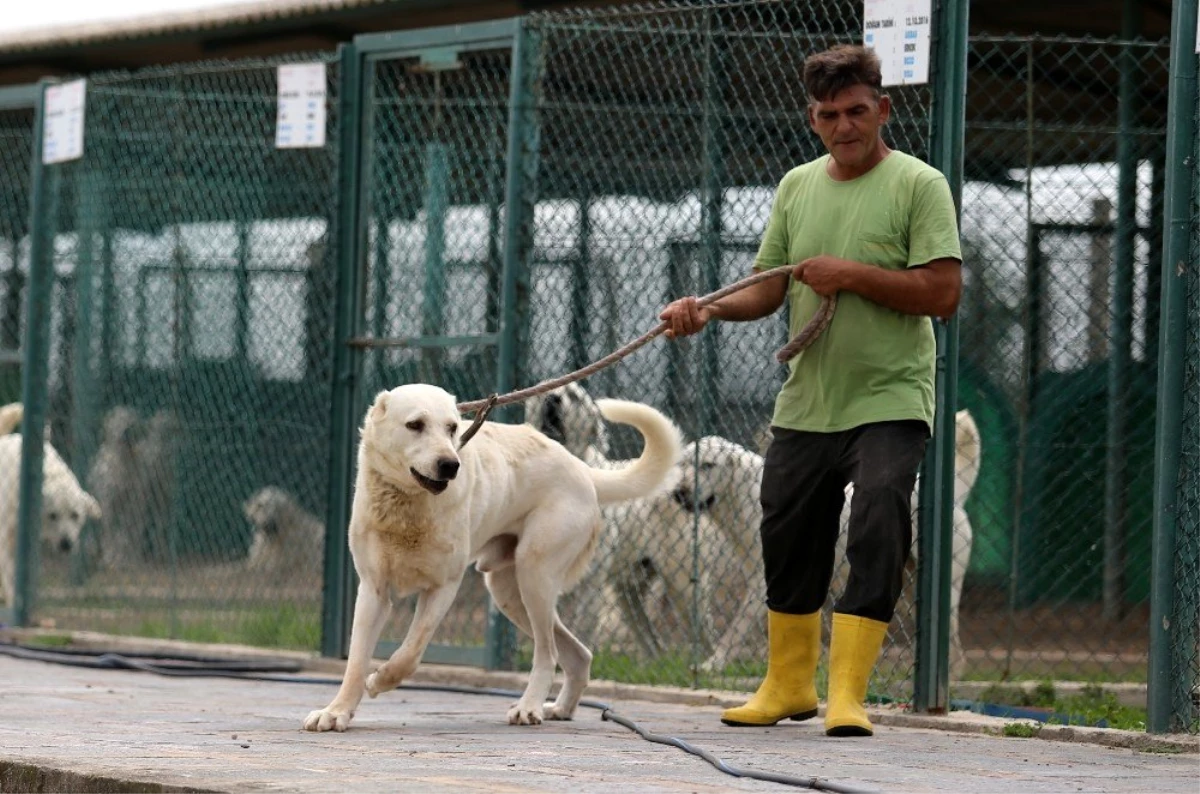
{"points": [[447, 469], [64, 544]]}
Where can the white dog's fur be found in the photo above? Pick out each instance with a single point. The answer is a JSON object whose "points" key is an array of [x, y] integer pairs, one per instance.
{"points": [[520, 506], [726, 478], [133, 478], [288, 542], [65, 505]]}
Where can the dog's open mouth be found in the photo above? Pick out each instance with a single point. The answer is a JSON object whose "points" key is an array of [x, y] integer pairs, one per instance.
{"points": [[433, 486]]}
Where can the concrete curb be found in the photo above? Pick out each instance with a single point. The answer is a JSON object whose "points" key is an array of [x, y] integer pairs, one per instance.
{"points": [[612, 691], [21, 777]]}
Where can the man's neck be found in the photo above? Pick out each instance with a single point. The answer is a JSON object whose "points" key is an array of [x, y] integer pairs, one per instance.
{"points": [[841, 173]]}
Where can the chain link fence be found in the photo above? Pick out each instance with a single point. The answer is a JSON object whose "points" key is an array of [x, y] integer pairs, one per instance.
{"points": [[16, 138], [191, 320], [663, 133], [1184, 663], [620, 159], [1062, 226]]}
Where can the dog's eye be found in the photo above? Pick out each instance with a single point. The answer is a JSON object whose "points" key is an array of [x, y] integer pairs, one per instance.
{"points": [[451, 429], [74, 516], [416, 425], [707, 465], [53, 516]]}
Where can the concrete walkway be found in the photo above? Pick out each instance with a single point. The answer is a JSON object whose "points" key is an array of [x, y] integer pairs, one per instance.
{"points": [[66, 728]]}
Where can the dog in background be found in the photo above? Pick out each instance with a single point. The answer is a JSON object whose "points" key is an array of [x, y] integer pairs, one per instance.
{"points": [[289, 541], [66, 506], [725, 478], [638, 581], [133, 477]]}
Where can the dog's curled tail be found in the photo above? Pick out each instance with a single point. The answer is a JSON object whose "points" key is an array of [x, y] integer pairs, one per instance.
{"points": [[967, 450], [11, 416], [648, 473]]}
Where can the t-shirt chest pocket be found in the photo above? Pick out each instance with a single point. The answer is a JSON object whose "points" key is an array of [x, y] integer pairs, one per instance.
{"points": [[883, 245]]}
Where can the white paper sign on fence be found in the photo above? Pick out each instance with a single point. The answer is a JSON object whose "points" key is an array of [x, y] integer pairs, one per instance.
{"points": [[62, 130], [301, 118], [899, 33]]}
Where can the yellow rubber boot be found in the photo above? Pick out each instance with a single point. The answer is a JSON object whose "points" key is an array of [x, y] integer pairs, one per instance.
{"points": [[853, 650], [788, 691]]}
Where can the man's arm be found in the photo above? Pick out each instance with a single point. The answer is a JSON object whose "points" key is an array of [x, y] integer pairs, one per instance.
{"points": [[687, 317], [932, 289]]}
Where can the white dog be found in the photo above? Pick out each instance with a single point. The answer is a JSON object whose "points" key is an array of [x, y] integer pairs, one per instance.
{"points": [[289, 541], [725, 478], [65, 505], [663, 591], [133, 478], [517, 504]]}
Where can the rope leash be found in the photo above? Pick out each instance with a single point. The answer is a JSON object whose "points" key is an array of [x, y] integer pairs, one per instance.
{"points": [[808, 334]]}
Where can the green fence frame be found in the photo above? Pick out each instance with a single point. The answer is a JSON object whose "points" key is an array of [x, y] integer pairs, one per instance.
{"points": [[1168, 694]]}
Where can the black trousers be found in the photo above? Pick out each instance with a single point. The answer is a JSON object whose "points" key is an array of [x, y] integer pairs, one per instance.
{"points": [[804, 478]]}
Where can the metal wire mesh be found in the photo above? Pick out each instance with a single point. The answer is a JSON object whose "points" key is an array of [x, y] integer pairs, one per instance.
{"points": [[16, 147], [663, 132], [190, 359], [194, 311], [435, 181], [1185, 623], [1062, 228]]}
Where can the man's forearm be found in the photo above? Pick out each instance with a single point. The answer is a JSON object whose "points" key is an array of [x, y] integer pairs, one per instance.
{"points": [[752, 303], [917, 290]]}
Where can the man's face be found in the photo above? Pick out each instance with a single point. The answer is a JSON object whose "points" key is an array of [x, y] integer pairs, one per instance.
{"points": [[849, 123]]}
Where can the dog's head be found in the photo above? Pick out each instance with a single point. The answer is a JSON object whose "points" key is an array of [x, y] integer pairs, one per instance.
{"points": [[571, 417], [66, 507], [411, 436], [264, 510], [120, 426], [711, 469]]}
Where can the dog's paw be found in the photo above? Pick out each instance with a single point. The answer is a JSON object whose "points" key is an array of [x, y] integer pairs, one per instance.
{"points": [[557, 712], [328, 719], [524, 715], [375, 687]]}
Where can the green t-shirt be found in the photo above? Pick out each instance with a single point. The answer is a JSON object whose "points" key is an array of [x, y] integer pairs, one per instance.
{"points": [[872, 364]]}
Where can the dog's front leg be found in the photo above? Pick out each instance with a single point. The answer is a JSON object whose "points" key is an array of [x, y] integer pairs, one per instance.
{"points": [[371, 610], [432, 606]]}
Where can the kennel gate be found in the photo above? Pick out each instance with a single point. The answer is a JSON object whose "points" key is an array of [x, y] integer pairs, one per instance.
{"points": [[430, 251]]}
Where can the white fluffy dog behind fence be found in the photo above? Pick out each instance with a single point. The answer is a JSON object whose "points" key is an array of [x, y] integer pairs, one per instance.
{"points": [[133, 478], [647, 590], [65, 505], [288, 542], [725, 477]]}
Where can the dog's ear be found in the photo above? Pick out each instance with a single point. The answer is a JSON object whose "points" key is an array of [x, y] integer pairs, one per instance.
{"points": [[379, 407]]}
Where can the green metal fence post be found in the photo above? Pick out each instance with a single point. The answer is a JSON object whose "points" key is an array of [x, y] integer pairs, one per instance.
{"points": [[337, 596], [935, 541], [35, 369], [708, 363], [433, 307], [1120, 345], [1166, 696], [519, 201]]}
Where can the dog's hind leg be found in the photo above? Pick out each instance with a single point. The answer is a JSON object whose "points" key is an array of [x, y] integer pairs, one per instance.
{"points": [[573, 655], [371, 610], [432, 606]]}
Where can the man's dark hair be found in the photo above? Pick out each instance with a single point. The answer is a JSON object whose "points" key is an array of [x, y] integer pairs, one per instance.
{"points": [[828, 73]]}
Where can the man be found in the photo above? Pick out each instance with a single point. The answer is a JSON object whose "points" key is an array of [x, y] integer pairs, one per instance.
{"points": [[878, 228]]}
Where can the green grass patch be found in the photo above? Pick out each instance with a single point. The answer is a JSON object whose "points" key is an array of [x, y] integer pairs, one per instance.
{"points": [[1022, 730], [50, 640], [1093, 705]]}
